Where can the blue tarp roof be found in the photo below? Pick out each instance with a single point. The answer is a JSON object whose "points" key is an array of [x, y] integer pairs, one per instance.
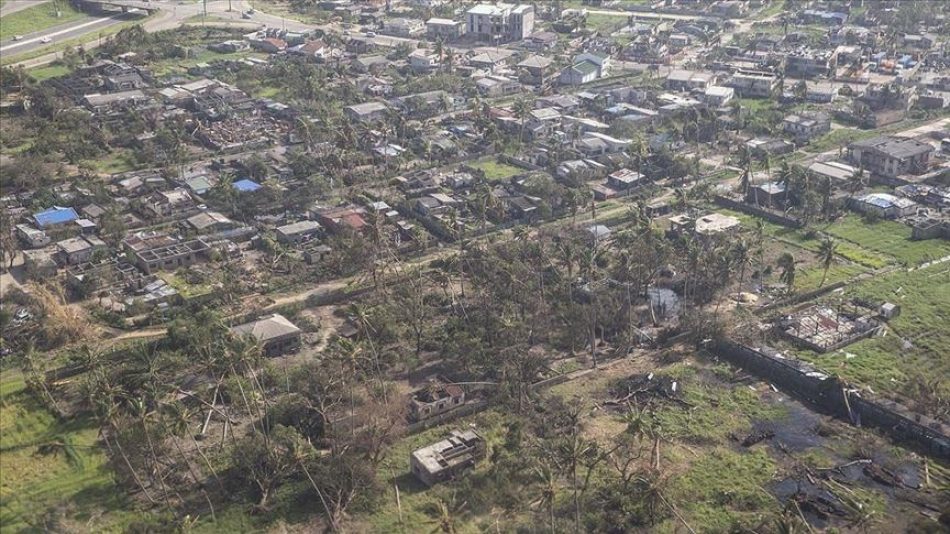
{"points": [[246, 185], [55, 215]]}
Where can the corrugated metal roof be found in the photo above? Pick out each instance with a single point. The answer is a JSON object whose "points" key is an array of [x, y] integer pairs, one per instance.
{"points": [[55, 215]]}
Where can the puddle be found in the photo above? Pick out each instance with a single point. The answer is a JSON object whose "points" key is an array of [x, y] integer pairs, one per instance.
{"points": [[796, 431]]}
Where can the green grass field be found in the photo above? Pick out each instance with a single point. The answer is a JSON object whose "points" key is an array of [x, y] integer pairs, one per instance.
{"points": [[809, 278], [418, 502], [886, 363], [496, 170], [605, 24], [59, 46], [837, 138], [30, 482], [36, 18], [890, 238], [50, 71]]}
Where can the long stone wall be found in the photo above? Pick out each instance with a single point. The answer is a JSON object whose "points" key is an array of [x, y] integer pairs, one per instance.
{"points": [[759, 211], [838, 398]]}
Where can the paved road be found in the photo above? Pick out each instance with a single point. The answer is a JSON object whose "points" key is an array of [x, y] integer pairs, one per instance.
{"points": [[171, 15], [12, 6], [642, 15], [59, 33]]}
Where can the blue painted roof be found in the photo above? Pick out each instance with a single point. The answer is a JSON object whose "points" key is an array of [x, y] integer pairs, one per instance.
{"points": [[55, 215], [246, 186]]}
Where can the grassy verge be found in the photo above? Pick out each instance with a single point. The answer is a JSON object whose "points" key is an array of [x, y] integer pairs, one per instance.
{"points": [[39, 17], [496, 170], [284, 8], [855, 252], [888, 237], [50, 71], [418, 501], [717, 411], [916, 346], [809, 279], [724, 489], [78, 479], [605, 24], [838, 138], [74, 43]]}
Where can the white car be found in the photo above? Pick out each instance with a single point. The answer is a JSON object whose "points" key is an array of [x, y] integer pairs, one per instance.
{"points": [[46, 40], [17, 37]]}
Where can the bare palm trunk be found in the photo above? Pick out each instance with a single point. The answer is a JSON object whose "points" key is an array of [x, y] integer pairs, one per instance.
{"points": [[128, 465]]}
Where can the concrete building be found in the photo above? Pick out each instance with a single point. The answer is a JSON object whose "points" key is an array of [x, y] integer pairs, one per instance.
{"points": [[687, 80], [98, 103], [298, 231], [494, 85], [401, 27], [366, 112], [806, 126], [170, 257], [625, 179], [208, 222], [823, 329], [718, 96], [771, 194], [706, 226], [808, 63], [446, 459], [535, 70], [446, 29], [500, 22], [162, 204], [275, 333], [891, 156], [749, 84], [587, 67], [578, 73], [884, 205], [821, 93], [422, 60], [39, 263], [434, 400], [837, 172], [77, 249], [31, 236]]}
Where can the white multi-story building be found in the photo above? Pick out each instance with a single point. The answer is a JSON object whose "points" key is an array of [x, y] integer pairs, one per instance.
{"points": [[500, 22]]}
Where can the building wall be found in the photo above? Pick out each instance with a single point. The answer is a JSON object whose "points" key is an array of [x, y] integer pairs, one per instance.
{"points": [[284, 345], [833, 396]]}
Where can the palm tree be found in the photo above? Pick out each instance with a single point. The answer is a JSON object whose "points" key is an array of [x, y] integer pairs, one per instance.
{"points": [[786, 262], [575, 198], [743, 258], [745, 163], [856, 182], [638, 149], [449, 60], [549, 486], [439, 49], [486, 202], [447, 515], [522, 108], [826, 255], [785, 178]]}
